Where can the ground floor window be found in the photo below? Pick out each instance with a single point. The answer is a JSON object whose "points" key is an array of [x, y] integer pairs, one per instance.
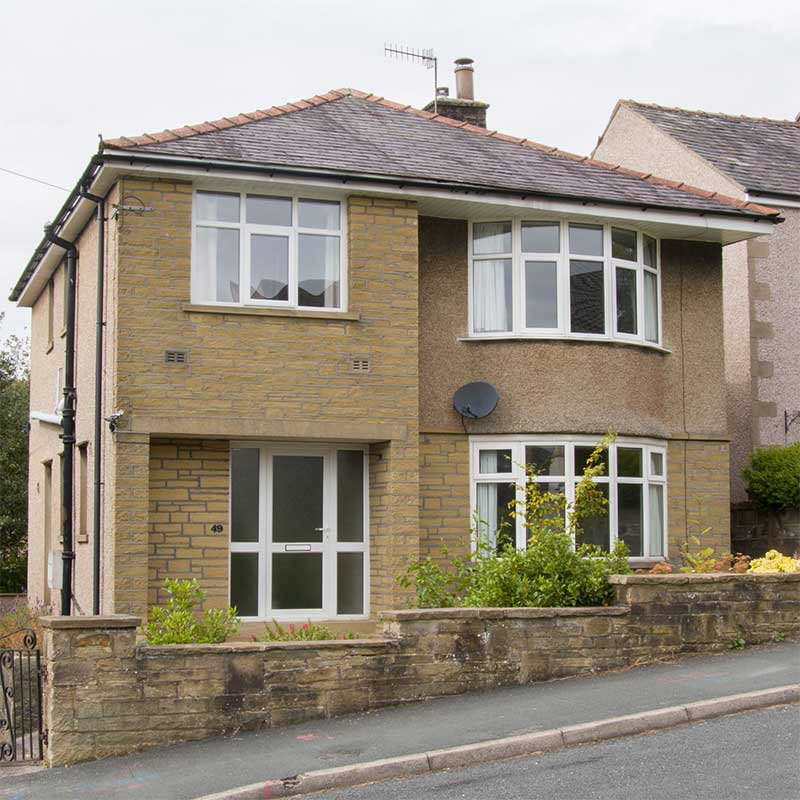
{"points": [[635, 484], [298, 531]]}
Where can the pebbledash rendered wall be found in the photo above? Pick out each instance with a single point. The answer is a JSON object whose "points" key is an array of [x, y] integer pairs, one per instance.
{"points": [[106, 695]]}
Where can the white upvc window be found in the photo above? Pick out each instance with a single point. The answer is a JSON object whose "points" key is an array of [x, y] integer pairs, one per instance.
{"points": [[634, 483], [263, 250], [562, 279]]}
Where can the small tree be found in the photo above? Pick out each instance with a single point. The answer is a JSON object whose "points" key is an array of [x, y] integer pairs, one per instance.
{"points": [[773, 477], [14, 394]]}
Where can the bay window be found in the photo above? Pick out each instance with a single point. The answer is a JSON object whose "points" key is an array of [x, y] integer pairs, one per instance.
{"points": [[559, 279], [634, 483], [262, 250]]}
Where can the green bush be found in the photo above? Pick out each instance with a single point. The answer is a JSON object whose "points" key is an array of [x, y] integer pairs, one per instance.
{"points": [[773, 477], [549, 572], [177, 624]]}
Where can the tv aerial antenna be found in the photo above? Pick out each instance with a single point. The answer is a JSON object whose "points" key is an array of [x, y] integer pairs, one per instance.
{"points": [[420, 56]]}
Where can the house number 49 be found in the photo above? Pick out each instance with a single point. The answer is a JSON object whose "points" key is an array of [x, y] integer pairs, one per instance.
{"points": [[216, 528]]}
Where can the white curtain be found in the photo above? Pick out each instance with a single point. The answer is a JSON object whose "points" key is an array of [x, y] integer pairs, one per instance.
{"points": [[650, 306], [492, 295], [331, 277], [487, 515]]}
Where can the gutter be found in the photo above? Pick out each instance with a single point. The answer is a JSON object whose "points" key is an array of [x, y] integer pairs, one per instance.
{"points": [[129, 158]]}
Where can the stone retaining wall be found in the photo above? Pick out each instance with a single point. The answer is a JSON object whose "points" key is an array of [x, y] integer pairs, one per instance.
{"points": [[107, 695]]}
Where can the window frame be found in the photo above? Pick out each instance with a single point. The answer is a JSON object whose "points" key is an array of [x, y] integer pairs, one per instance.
{"points": [[517, 444], [563, 258], [292, 232]]}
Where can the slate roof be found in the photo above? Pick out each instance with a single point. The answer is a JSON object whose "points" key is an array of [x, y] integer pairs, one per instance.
{"points": [[359, 134], [762, 155]]}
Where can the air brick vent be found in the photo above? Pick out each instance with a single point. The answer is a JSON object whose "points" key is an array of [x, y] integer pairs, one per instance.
{"points": [[176, 357], [359, 364]]}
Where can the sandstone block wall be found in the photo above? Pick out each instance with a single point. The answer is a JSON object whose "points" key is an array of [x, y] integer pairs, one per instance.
{"points": [[105, 695]]}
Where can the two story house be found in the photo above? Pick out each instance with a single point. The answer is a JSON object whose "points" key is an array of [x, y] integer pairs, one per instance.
{"points": [[285, 303], [751, 159]]}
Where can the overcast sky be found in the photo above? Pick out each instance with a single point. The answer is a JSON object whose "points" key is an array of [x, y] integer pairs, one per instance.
{"points": [[551, 70]]}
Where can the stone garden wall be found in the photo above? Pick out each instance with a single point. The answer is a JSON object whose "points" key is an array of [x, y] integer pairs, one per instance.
{"points": [[107, 695]]}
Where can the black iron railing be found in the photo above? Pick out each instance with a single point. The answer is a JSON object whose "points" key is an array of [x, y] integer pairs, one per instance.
{"points": [[20, 699]]}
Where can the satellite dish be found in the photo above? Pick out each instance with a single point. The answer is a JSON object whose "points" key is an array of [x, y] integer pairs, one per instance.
{"points": [[476, 400]]}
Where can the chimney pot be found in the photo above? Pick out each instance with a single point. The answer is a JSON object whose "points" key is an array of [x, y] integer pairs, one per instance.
{"points": [[465, 86]]}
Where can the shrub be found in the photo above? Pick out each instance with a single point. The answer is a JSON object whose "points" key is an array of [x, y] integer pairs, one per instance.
{"points": [[177, 623], [307, 632], [773, 561], [550, 572], [773, 477]]}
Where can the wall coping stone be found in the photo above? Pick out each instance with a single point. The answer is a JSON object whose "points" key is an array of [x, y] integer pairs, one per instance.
{"points": [[415, 614], [260, 647], [712, 577], [108, 621]]}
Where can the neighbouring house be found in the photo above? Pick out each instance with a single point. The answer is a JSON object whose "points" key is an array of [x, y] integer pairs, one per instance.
{"points": [[290, 299], [754, 160]]}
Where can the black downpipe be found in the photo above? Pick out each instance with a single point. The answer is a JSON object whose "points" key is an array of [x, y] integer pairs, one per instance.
{"points": [[67, 425], [98, 394]]}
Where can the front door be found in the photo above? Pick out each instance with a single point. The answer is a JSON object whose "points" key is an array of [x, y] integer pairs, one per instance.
{"points": [[298, 532]]}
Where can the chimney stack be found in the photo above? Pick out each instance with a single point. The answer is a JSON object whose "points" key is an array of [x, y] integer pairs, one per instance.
{"points": [[463, 106]]}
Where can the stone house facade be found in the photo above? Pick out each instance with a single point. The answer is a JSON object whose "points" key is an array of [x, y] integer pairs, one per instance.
{"points": [[291, 299], [750, 159]]}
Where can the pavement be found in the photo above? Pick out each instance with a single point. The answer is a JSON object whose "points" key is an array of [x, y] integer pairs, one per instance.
{"points": [[192, 770], [748, 756]]}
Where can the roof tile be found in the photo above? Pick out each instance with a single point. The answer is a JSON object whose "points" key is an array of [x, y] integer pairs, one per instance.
{"points": [[338, 130]]}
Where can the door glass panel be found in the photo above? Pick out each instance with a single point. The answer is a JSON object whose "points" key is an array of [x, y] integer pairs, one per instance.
{"points": [[350, 583], [296, 580], [244, 583], [595, 529], [541, 294], [269, 267], [297, 499], [587, 297], [244, 494], [350, 496], [630, 516]]}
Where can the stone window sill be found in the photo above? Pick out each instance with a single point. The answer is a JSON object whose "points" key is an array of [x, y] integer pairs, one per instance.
{"points": [[521, 337], [249, 311]]}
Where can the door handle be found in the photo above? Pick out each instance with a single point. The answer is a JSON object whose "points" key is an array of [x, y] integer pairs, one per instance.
{"points": [[296, 548]]}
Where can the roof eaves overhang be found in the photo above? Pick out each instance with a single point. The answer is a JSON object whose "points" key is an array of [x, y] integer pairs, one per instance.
{"points": [[103, 170]]}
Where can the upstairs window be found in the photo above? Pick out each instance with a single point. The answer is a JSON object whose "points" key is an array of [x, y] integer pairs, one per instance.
{"points": [[558, 279], [264, 250]]}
